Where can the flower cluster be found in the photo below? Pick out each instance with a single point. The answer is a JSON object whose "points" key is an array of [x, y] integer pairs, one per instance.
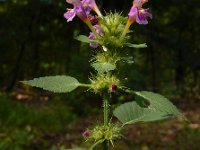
{"points": [[108, 132], [108, 83], [101, 26], [82, 9]]}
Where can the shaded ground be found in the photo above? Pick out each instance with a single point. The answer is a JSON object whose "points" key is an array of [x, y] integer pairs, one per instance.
{"points": [[49, 125], [171, 134]]}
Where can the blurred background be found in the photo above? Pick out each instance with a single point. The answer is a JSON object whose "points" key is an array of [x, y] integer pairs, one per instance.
{"points": [[36, 40]]}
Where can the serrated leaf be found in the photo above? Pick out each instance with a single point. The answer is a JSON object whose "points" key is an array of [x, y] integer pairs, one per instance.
{"points": [[83, 38], [148, 107], [57, 84], [132, 112], [103, 67], [158, 102], [144, 45]]}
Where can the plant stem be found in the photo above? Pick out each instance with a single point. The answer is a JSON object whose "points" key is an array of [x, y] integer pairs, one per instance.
{"points": [[106, 109], [106, 116], [95, 144], [85, 85], [105, 145]]}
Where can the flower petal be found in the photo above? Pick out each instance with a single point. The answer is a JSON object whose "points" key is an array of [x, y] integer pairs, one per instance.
{"points": [[80, 12], [74, 2], [147, 13], [98, 29], [91, 5], [92, 37], [141, 18], [132, 14], [139, 3], [88, 3], [70, 14]]}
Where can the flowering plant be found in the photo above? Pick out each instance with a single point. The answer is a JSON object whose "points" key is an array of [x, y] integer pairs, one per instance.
{"points": [[109, 35]]}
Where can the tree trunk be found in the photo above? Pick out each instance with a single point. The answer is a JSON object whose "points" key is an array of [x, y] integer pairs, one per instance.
{"points": [[153, 70], [17, 67], [36, 58], [179, 71]]}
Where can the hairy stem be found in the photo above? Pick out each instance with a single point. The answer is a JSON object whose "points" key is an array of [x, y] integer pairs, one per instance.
{"points": [[106, 116], [95, 144], [106, 109]]}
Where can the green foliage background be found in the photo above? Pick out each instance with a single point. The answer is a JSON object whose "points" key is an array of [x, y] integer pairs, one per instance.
{"points": [[36, 40]]}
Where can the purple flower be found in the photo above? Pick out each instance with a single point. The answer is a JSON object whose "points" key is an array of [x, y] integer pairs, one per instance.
{"points": [[93, 37], [132, 14], [139, 3], [77, 10], [74, 2], [93, 20], [88, 3], [98, 29], [81, 8], [91, 5], [70, 14], [138, 14], [142, 15]]}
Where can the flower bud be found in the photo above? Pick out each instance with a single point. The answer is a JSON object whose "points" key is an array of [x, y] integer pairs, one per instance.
{"points": [[98, 134], [114, 88], [102, 83], [86, 134], [93, 20]]}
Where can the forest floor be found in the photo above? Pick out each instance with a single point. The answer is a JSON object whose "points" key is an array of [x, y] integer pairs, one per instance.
{"points": [[52, 125], [173, 134]]}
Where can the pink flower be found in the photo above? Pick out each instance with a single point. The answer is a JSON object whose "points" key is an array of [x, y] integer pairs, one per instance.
{"points": [[139, 3], [86, 134], [142, 15], [77, 10], [81, 8], [70, 14], [93, 37], [138, 14], [132, 14], [93, 20], [98, 29], [91, 4]]}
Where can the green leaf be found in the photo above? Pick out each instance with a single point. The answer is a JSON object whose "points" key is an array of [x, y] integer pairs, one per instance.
{"points": [[148, 107], [158, 102], [144, 45], [57, 84], [128, 59], [132, 112], [103, 67], [83, 38]]}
